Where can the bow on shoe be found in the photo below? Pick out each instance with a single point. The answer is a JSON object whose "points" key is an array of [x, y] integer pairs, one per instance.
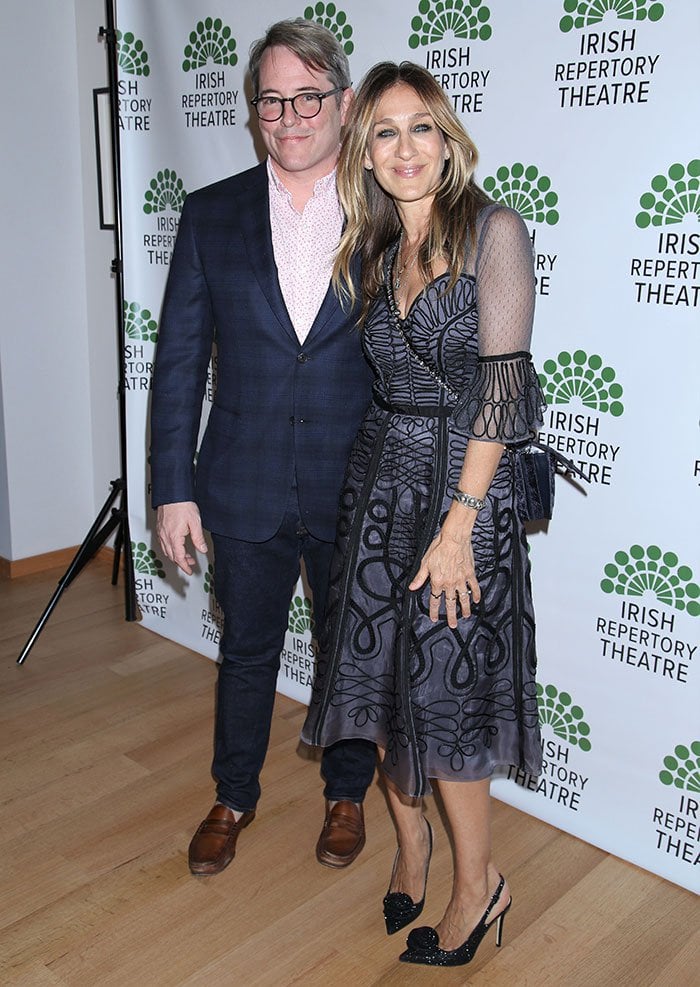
{"points": [[424, 939], [399, 910]]}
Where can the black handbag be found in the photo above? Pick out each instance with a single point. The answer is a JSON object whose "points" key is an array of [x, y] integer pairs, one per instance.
{"points": [[535, 464]]}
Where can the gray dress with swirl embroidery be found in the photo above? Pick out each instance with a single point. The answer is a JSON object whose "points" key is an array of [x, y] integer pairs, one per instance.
{"points": [[446, 704]]}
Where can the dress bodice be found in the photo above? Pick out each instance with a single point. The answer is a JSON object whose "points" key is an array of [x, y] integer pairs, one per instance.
{"points": [[442, 329]]}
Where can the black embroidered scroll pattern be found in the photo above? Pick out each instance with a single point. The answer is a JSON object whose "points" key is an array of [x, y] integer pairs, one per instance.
{"points": [[466, 698]]}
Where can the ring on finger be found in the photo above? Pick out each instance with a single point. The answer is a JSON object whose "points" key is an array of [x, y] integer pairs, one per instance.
{"points": [[450, 599], [435, 596]]}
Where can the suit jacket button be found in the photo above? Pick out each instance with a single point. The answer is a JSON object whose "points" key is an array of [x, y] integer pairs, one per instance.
{"points": [[291, 419], [302, 358]]}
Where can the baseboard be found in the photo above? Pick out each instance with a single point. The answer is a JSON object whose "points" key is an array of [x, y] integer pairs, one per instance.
{"points": [[61, 558]]}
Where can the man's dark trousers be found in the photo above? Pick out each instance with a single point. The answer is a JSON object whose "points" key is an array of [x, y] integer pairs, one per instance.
{"points": [[254, 586]]}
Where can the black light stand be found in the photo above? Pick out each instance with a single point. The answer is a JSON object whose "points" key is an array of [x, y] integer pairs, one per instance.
{"points": [[118, 520]]}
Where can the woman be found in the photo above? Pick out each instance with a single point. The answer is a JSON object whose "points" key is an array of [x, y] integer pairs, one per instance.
{"points": [[429, 645]]}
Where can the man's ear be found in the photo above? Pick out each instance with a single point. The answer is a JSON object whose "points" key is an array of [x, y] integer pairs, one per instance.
{"points": [[346, 100]]}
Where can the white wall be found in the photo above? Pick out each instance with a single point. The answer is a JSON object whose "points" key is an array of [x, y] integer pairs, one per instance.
{"points": [[57, 336]]}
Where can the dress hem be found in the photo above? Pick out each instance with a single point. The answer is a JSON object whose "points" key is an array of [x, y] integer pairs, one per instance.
{"points": [[531, 769]]}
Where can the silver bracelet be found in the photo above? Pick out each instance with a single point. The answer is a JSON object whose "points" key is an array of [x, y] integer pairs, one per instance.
{"points": [[476, 503]]}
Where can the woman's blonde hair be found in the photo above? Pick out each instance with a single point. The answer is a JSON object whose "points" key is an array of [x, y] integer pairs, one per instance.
{"points": [[372, 222]]}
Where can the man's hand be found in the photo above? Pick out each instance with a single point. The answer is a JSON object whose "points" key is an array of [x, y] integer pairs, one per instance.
{"points": [[174, 522]]}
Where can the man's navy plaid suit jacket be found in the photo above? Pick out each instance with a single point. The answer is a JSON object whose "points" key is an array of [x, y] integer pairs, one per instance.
{"points": [[280, 407]]}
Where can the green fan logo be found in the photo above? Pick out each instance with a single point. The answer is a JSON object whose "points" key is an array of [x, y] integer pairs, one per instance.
{"points": [[584, 13], [641, 569], [671, 197], [328, 15], [146, 560], [132, 57], [300, 615], [682, 768], [523, 188], [565, 719], [468, 19], [139, 324], [580, 375], [209, 579], [165, 191], [212, 41]]}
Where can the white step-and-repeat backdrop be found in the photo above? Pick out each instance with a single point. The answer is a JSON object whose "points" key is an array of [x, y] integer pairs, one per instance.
{"points": [[585, 114]]}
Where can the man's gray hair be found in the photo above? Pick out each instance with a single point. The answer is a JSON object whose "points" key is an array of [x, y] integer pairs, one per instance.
{"points": [[316, 46]]}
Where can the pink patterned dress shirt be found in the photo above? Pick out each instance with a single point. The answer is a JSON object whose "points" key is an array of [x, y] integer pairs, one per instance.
{"points": [[304, 246]]}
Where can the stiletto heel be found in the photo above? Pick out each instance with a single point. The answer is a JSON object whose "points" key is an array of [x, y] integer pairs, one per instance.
{"points": [[499, 923], [424, 943], [399, 908]]}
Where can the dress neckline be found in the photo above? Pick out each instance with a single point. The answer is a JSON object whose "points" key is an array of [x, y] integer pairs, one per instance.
{"points": [[389, 285]]}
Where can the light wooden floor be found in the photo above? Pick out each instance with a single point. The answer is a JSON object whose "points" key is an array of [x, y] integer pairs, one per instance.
{"points": [[106, 740]]}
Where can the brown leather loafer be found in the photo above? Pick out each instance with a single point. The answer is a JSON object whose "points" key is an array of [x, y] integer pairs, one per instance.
{"points": [[342, 836], [213, 846]]}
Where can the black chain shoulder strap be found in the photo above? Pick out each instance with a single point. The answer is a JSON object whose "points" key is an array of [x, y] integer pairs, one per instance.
{"points": [[396, 324]]}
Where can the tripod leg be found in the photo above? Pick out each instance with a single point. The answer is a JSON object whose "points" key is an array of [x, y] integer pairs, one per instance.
{"points": [[92, 541], [118, 541], [131, 609], [40, 624]]}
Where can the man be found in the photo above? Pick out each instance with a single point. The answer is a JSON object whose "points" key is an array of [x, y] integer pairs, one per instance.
{"points": [[251, 269]]}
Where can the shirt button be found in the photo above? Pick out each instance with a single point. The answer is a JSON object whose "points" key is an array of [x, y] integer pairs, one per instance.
{"points": [[302, 358]]}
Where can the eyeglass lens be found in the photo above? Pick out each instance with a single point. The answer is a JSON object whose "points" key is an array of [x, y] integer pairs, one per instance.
{"points": [[303, 104]]}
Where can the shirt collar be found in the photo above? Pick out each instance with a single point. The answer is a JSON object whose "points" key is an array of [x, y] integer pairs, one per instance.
{"points": [[322, 186]]}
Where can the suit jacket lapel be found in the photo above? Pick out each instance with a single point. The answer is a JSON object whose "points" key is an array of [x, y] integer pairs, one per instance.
{"points": [[331, 308], [254, 214]]}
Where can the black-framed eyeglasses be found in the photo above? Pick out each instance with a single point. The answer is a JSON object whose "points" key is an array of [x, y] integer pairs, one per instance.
{"points": [[305, 105]]}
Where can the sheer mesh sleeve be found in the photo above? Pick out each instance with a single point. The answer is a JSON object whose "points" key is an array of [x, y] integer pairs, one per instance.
{"points": [[503, 401]]}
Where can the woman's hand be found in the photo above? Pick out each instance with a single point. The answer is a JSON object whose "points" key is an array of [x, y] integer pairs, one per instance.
{"points": [[449, 565], [449, 561]]}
